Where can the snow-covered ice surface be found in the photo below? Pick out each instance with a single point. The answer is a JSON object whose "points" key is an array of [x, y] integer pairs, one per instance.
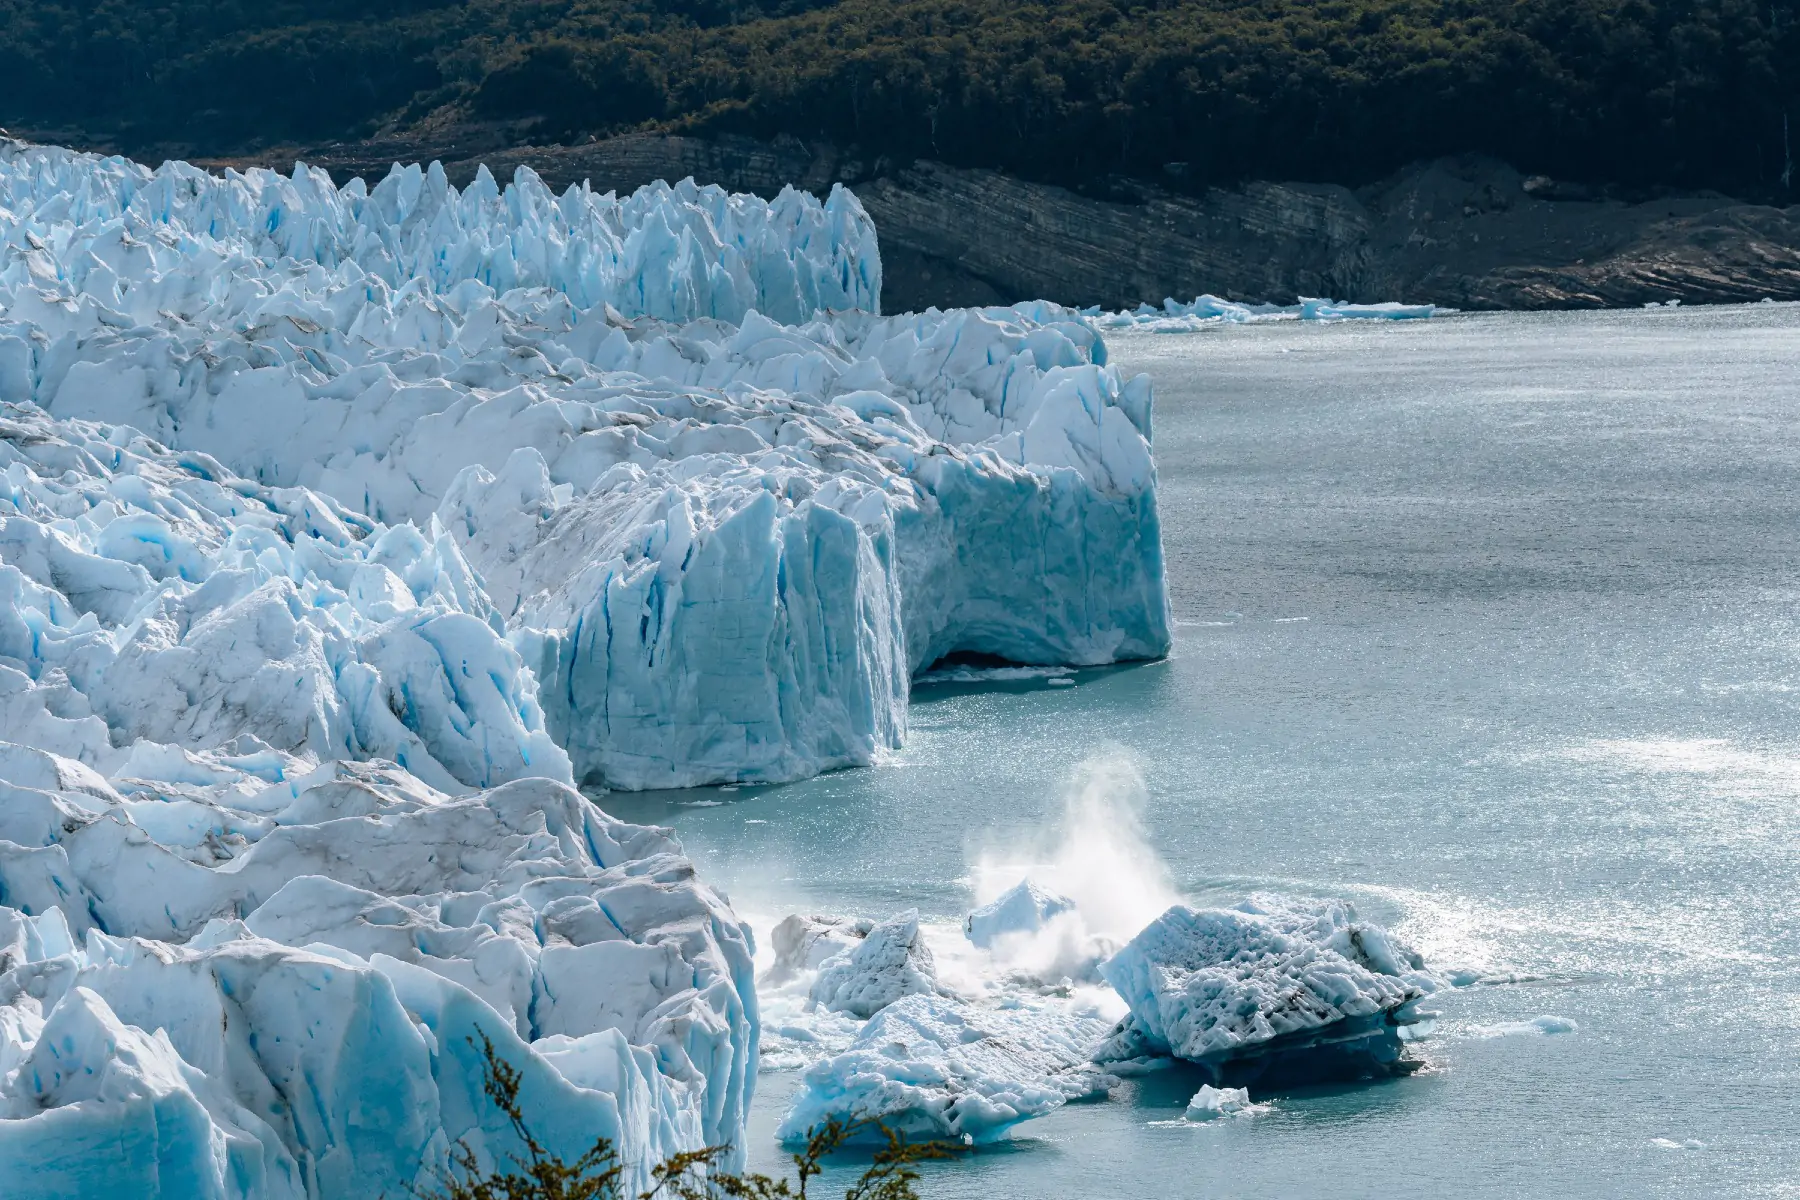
{"points": [[1270, 990], [342, 530], [1207, 311]]}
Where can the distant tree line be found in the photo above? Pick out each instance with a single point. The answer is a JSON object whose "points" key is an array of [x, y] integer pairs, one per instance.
{"points": [[1695, 93]]}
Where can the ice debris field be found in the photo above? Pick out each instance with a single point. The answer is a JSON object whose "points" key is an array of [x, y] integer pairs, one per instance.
{"points": [[1209, 311], [345, 531]]}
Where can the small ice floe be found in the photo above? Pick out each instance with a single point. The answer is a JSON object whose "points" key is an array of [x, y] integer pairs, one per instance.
{"points": [[1208, 311], [1211, 1103], [939, 1067], [1474, 976], [1537, 1025]]}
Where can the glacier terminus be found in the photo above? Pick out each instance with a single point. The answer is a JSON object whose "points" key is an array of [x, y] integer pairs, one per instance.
{"points": [[344, 531]]}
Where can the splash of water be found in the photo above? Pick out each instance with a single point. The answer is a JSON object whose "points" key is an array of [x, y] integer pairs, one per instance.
{"points": [[1098, 854]]}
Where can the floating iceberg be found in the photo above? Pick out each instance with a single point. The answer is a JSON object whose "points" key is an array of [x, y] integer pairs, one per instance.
{"points": [[1211, 1103], [1205, 312], [1268, 992], [937, 1067], [1024, 908]]}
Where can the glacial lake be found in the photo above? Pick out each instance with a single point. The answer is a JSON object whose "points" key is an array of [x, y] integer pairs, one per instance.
{"points": [[1488, 624]]}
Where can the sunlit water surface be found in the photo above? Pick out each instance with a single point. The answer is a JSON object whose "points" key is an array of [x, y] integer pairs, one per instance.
{"points": [[1487, 624]]}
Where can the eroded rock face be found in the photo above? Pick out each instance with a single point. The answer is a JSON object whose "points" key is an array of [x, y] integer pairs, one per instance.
{"points": [[1462, 233]]}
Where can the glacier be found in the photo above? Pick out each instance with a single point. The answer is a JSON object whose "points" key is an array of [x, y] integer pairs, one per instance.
{"points": [[776, 525], [345, 530], [304, 997]]}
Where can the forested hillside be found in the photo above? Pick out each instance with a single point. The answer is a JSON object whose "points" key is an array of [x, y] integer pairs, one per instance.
{"points": [[1696, 93]]}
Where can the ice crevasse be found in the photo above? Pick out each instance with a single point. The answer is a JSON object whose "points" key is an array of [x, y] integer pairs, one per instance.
{"points": [[344, 530]]}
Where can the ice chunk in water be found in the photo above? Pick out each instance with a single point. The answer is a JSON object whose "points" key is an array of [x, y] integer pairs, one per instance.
{"points": [[891, 961], [1023, 908], [936, 1067], [1211, 1103], [804, 943], [1272, 992], [1536, 1025]]}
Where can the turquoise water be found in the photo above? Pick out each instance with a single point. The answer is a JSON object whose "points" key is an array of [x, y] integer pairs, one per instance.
{"points": [[1487, 624]]}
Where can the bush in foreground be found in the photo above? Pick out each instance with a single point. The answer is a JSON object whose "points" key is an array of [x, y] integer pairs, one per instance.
{"points": [[692, 1175]]}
